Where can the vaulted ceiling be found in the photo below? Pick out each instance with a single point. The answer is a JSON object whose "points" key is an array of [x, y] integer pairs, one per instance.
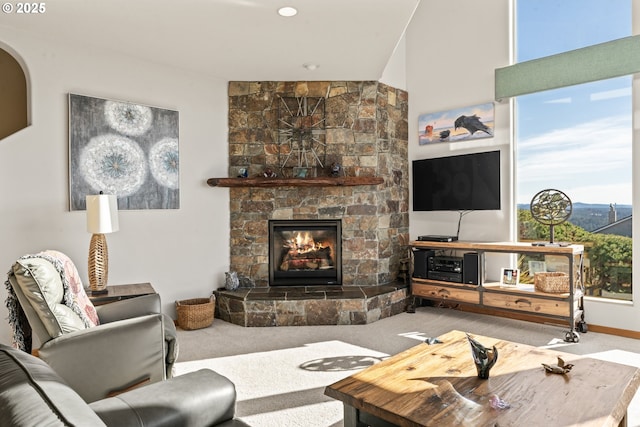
{"points": [[234, 39]]}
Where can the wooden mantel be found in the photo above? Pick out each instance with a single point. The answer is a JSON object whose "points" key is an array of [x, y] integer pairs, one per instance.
{"points": [[295, 182]]}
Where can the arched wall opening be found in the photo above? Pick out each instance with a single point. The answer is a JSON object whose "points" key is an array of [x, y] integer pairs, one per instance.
{"points": [[14, 102]]}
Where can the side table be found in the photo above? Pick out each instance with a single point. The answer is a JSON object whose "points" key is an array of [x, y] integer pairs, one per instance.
{"points": [[120, 292]]}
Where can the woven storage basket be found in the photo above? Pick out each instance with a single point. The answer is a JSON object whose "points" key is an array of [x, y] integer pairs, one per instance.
{"points": [[196, 313], [552, 282]]}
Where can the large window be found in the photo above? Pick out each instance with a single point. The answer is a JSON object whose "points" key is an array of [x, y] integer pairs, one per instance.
{"points": [[578, 140]]}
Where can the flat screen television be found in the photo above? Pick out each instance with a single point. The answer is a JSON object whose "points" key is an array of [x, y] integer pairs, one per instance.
{"points": [[457, 183]]}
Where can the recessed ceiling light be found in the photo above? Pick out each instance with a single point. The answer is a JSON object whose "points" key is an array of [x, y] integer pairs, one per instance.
{"points": [[310, 66], [287, 11]]}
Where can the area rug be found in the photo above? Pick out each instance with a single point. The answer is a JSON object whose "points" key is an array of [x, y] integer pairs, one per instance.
{"points": [[285, 388]]}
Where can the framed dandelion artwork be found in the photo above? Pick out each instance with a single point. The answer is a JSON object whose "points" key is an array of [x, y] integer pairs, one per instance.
{"points": [[125, 149]]}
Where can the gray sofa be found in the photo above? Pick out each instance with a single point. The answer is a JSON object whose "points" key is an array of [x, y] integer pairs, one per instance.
{"points": [[33, 394]]}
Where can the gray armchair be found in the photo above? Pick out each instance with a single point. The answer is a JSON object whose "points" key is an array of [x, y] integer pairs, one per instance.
{"points": [[98, 351], [33, 394]]}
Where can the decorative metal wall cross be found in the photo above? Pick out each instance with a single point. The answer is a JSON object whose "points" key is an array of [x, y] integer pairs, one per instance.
{"points": [[301, 133]]}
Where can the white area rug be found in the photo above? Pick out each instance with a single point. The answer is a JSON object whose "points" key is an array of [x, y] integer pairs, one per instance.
{"points": [[285, 388]]}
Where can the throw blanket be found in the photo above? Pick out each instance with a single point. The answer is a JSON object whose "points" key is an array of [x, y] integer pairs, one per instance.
{"points": [[74, 297]]}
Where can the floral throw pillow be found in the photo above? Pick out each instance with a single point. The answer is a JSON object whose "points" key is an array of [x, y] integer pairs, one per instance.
{"points": [[73, 277]]}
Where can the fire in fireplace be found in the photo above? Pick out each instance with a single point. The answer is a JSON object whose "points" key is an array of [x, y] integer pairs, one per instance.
{"points": [[305, 252]]}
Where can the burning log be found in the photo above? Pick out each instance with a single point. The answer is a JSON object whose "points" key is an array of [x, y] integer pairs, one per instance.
{"points": [[313, 259]]}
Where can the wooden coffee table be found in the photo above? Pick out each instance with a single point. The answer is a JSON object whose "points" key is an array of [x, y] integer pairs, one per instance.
{"points": [[437, 385]]}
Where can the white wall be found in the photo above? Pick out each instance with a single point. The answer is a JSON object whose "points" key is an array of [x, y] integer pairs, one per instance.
{"points": [[182, 252], [451, 56], [395, 72], [453, 48]]}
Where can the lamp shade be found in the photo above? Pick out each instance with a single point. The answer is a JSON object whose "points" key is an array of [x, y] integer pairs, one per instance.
{"points": [[102, 214]]}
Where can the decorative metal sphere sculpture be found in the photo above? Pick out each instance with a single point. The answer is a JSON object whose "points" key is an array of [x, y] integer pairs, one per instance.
{"points": [[551, 207]]}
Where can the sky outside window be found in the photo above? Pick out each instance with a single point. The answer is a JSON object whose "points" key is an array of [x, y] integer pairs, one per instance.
{"points": [[576, 139]]}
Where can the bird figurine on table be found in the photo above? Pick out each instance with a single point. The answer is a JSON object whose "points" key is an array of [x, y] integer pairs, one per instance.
{"points": [[483, 357], [561, 368]]}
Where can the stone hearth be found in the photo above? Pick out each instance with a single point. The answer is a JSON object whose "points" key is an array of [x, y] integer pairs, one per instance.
{"points": [[313, 305]]}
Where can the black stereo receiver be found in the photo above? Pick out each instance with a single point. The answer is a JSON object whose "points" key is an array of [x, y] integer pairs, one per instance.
{"points": [[449, 264], [445, 268]]}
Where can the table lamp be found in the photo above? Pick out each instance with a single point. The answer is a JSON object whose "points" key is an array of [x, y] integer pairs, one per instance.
{"points": [[102, 218]]}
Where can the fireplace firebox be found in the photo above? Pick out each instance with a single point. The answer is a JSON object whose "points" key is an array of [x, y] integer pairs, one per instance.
{"points": [[305, 252]]}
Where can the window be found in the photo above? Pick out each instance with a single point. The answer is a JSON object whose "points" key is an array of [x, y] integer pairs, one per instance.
{"points": [[578, 140]]}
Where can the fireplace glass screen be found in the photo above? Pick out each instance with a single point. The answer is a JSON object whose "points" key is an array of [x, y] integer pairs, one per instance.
{"points": [[303, 252]]}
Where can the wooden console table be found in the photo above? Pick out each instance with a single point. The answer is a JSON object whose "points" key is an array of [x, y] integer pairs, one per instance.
{"points": [[437, 385], [120, 292], [523, 300]]}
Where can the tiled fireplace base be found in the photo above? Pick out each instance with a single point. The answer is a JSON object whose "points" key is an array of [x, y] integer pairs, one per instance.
{"points": [[310, 305]]}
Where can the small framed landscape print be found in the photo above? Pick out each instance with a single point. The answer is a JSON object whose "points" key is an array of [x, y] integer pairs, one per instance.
{"points": [[537, 267], [510, 277]]}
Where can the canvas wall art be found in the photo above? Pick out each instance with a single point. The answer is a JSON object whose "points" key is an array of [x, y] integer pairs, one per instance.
{"points": [[125, 149], [461, 124]]}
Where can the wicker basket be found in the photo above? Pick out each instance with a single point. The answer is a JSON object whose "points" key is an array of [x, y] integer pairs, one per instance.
{"points": [[196, 313], [555, 282]]}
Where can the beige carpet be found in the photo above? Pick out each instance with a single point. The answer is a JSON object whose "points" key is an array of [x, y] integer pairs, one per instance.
{"points": [[280, 373], [285, 387]]}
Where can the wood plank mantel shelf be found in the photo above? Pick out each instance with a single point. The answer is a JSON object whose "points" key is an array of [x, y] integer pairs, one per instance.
{"points": [[346, 181]]}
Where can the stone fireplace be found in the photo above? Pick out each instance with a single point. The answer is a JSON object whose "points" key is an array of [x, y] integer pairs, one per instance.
{"points": [[364, 131]]}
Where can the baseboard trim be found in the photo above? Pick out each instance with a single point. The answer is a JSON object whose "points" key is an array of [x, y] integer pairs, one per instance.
{"points": [[615, 331], [626, 333]]}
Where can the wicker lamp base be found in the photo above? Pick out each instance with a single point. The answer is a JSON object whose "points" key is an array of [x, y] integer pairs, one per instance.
{"points": [[98, 264]]}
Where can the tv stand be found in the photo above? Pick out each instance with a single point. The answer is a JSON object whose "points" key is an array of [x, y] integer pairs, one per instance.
{"points": [[493, 298]]}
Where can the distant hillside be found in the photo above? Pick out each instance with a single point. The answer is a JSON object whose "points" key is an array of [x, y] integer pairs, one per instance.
{"points": [[592, 216]]}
